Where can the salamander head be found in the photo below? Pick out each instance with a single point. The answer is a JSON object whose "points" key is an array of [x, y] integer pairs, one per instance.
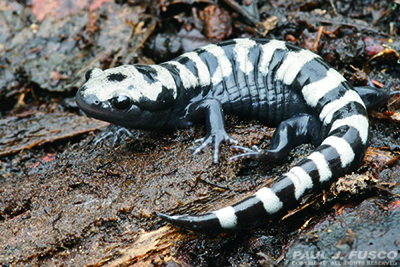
{"points": [[131, 96]]}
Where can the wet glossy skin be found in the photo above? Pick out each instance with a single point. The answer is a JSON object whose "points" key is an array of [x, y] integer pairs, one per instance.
{"points": [[275, 82]]}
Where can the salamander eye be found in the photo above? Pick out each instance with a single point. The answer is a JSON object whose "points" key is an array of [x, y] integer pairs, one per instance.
{"points": [[121, 102]]}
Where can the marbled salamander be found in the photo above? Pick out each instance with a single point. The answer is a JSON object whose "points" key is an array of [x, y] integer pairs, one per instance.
{"points": [[272, 81]]}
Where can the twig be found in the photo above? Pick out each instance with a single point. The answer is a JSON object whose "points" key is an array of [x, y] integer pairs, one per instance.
{"points": [[334, 8], [320, 30], [235, 6]]}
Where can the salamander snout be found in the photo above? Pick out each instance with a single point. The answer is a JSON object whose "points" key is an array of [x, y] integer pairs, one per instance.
{"points": [[87, 101], [92, 100]]}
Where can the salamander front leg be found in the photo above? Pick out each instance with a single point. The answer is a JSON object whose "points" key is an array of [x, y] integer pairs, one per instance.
{"points": [[211, 109], [295, 131], [117, 132]]}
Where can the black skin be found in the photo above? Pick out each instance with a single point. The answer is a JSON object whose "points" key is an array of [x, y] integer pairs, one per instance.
{"points": [[373, 97], [300, 129], [212, 110], [297, 130]]}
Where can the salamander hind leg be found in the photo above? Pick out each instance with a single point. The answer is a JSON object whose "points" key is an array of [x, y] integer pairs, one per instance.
{"points": [[290, 133]]}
